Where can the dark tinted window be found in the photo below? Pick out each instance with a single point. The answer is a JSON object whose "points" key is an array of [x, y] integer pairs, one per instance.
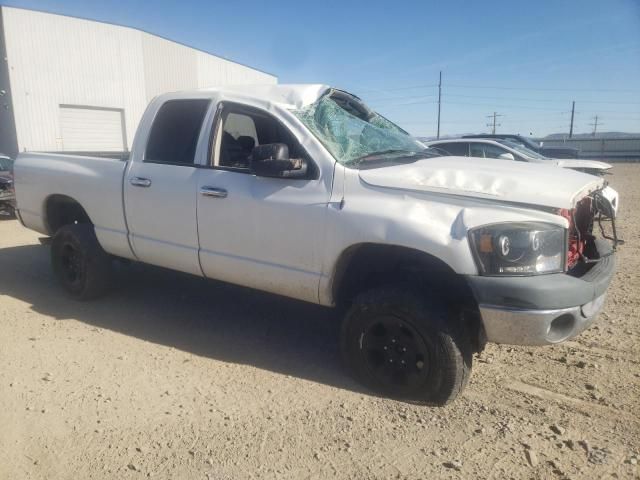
{"points": [[455, 148], [6, 165], [175, 130]]}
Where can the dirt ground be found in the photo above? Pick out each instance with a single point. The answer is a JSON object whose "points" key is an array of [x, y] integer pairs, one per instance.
{"points": [[174, 377]]}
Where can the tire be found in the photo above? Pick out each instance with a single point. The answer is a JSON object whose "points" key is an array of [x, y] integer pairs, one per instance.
{"points": [[406, 345], [80, 264]]}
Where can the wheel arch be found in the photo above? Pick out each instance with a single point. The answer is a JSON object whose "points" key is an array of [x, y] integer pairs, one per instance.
{"points": [[61, 210], [369, 265]]}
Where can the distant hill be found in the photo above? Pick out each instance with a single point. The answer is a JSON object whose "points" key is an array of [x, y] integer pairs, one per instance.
{"points": [[551, 136], [560, 136]]}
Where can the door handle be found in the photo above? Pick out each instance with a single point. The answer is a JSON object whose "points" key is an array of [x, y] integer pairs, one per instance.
{"points": [[140, 182], [213, 192]]}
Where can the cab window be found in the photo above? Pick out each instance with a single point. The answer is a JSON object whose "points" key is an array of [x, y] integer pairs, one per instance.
{"points": [[240, 129], [174, 134]]}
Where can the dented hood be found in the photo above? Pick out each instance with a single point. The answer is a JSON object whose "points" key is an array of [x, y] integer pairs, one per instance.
{"points": [[517, 182]]}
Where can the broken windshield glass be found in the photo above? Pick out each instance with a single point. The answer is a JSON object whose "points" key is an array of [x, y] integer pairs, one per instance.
{"points": [[352, 140]]}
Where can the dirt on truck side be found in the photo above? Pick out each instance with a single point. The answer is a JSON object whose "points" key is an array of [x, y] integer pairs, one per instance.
{"points": [[175, 377]]}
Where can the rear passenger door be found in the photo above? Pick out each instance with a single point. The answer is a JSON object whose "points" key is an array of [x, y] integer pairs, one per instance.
{"points": [[160, 188]]}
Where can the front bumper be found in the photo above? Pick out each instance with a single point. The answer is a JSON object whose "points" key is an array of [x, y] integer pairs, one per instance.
{"points": [[544, 309]]}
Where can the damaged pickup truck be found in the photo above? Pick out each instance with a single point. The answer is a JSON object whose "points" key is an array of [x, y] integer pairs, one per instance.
{"points": [[303, 191]]}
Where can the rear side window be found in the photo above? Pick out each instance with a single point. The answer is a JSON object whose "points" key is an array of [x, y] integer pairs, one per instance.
{"points": [[486, 150], [457, 148], [175, 130]]}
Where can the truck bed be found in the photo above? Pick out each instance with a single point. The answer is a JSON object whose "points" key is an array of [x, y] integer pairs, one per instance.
{"points": [[95, 182]]}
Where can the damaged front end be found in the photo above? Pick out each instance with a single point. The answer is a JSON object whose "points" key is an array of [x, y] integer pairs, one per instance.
{"points": [[591, 211], [550, 308]]}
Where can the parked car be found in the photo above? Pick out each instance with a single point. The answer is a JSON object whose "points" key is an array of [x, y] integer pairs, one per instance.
{"points": [[552, 151], [303, 191], [508, 150], [7, 192]]}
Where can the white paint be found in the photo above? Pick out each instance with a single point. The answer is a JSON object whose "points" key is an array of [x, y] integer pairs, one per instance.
{"points": [[91, 130], [507, 181]]}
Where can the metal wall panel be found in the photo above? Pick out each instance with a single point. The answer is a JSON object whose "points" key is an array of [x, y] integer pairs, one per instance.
{"points": [[55, 60]]}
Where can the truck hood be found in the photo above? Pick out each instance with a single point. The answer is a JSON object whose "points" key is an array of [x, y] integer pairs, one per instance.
{"points": [[514, 182]]}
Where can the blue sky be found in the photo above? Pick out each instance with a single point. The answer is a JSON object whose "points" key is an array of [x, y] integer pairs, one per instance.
{"points": [[525, 60]]}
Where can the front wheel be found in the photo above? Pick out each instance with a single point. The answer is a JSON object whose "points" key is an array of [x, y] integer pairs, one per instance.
{"points": [[406, 345], [81, 265]]}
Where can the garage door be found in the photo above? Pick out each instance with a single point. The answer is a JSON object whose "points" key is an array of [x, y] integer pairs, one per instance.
{"points": [[90, 129]]}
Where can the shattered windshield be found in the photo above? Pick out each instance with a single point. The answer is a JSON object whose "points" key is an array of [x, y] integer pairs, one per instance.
{"points": [[353, 140]]}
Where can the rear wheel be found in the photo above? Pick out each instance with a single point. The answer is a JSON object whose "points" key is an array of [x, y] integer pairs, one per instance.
{"points": [[405, 345], [81, 265]]}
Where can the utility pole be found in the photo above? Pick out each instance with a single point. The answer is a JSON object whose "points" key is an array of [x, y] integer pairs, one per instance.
{"points": [[493, 124], [595, 125], [439, 98], [573, 111]]}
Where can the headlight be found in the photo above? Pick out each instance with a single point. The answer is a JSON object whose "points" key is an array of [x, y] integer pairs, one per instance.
{"points": [[519, 248]]}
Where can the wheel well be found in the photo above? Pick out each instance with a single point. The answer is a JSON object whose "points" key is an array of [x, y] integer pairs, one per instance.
{"points": [[61, 210], [366, 266]]}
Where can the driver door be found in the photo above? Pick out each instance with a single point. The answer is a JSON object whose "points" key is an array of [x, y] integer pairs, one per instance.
{"points": [[255, 231]]}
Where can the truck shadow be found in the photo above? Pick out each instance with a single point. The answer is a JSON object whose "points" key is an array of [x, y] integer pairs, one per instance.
{"points": [[206, 318]]}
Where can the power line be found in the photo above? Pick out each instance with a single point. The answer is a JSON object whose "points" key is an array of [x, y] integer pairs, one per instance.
{"points": [[546, 89], [523, 107], [530, 99], [397, 89], [494, 125], [403, 97]]}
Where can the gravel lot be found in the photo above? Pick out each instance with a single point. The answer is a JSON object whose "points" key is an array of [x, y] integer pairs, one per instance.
{"points": [[174, 377]]}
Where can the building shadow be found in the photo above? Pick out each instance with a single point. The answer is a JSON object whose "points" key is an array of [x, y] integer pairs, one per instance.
{"points": [[206, 318]]}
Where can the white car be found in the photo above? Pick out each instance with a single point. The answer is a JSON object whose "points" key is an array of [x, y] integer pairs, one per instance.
{"points": [[303, 191], [505, 149]]}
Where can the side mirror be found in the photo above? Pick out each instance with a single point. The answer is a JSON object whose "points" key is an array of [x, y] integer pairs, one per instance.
{"points": [[506, 156], [272, 160]]}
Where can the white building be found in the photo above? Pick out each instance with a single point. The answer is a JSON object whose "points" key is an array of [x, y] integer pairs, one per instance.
{"points": [[69, 84]]}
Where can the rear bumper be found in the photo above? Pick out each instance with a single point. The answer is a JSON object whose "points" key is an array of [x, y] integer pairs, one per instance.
{"points": [[544, 309]]}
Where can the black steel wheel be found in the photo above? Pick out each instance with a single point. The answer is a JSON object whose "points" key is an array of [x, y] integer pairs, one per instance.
{"points": [[406, 345], [395, 353], [82, 267]]}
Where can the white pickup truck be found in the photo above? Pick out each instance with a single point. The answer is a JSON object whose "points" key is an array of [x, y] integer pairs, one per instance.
{"points": [[303, 191]]}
